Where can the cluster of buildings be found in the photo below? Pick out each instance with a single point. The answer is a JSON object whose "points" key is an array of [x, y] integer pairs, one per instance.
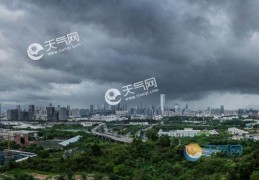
{"points": [[22, 137], [239, 134], [104, 112], [237, 131], [51, 113]]}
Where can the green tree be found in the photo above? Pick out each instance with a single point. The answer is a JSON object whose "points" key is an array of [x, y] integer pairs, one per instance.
{"points": [[61, 177], [96, 150], [152, 134], [164, 141], [70, 175], [255, 175], [23, 177], [43, 153], [83, 176]]}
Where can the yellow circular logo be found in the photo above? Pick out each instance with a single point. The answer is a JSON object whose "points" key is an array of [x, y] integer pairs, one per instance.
{"points": [[192, 152]]}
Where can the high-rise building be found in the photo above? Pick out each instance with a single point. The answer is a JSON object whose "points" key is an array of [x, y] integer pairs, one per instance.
{"points": [[58, 107], [55, 116], [12, 114], [18, 107], [31, 112], [154, 110], [176, 107], [162, 103], [62, 113], [31, 108], [221, 109], [68, 110], [50, 113], [91, 108], [82, 113], [24, 116]]}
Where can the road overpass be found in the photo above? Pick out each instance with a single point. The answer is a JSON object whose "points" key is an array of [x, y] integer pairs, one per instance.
{"points": [[102, 131]]}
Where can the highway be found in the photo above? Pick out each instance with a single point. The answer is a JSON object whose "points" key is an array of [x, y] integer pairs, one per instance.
{"points": [[106, 135]]}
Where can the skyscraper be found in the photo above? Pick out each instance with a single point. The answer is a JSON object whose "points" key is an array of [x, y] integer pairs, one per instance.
{"points": [[162, 103], [62, 113], [32, 108], [91, 108], [50, 113], [221, 109], [18, 107], [68, 110], [12, 114]]}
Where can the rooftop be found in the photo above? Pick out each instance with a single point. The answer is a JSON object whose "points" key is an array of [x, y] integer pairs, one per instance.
{"points": [[72, 140]]}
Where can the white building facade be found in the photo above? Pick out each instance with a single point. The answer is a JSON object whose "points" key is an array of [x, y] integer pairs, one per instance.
{"points": [[187, 132]]}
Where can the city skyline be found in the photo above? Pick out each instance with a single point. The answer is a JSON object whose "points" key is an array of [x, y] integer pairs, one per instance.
{"points": [[162, 106], [96, 106]]}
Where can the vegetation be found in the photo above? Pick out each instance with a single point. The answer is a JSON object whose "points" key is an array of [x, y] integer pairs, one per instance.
{"points": [[157, 158]]}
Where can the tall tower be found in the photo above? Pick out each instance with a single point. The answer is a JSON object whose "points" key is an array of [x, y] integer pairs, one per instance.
{"points": [[162, 103], [222, 110]]}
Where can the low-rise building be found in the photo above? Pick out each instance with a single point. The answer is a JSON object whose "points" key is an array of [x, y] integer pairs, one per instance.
{"points": [[72, 140], [187, 132], [236, 131], [22, 137], [213, 132], [238, 137], [138, 123]]}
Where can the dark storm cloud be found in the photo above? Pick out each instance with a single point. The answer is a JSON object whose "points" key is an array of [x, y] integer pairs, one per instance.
{"points": [[193, 48]]}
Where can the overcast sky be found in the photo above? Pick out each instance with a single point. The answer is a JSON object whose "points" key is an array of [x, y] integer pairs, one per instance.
{"points": [[203, 52]]}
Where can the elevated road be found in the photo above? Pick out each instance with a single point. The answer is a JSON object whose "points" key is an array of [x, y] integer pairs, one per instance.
{"points": [[102, 131]]}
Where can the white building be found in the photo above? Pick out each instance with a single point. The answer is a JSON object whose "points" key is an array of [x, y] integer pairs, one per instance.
{"points": [[238, 137], [236, 131], [72, 140], [162, 103], [122, 113], [170, 113], [256, 137], [108, 118], [139, 123], [187, 132], [137, 117], [213, 132]]}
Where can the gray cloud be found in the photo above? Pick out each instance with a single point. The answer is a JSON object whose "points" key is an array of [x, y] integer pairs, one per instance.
{"points": [[193, 48]]}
